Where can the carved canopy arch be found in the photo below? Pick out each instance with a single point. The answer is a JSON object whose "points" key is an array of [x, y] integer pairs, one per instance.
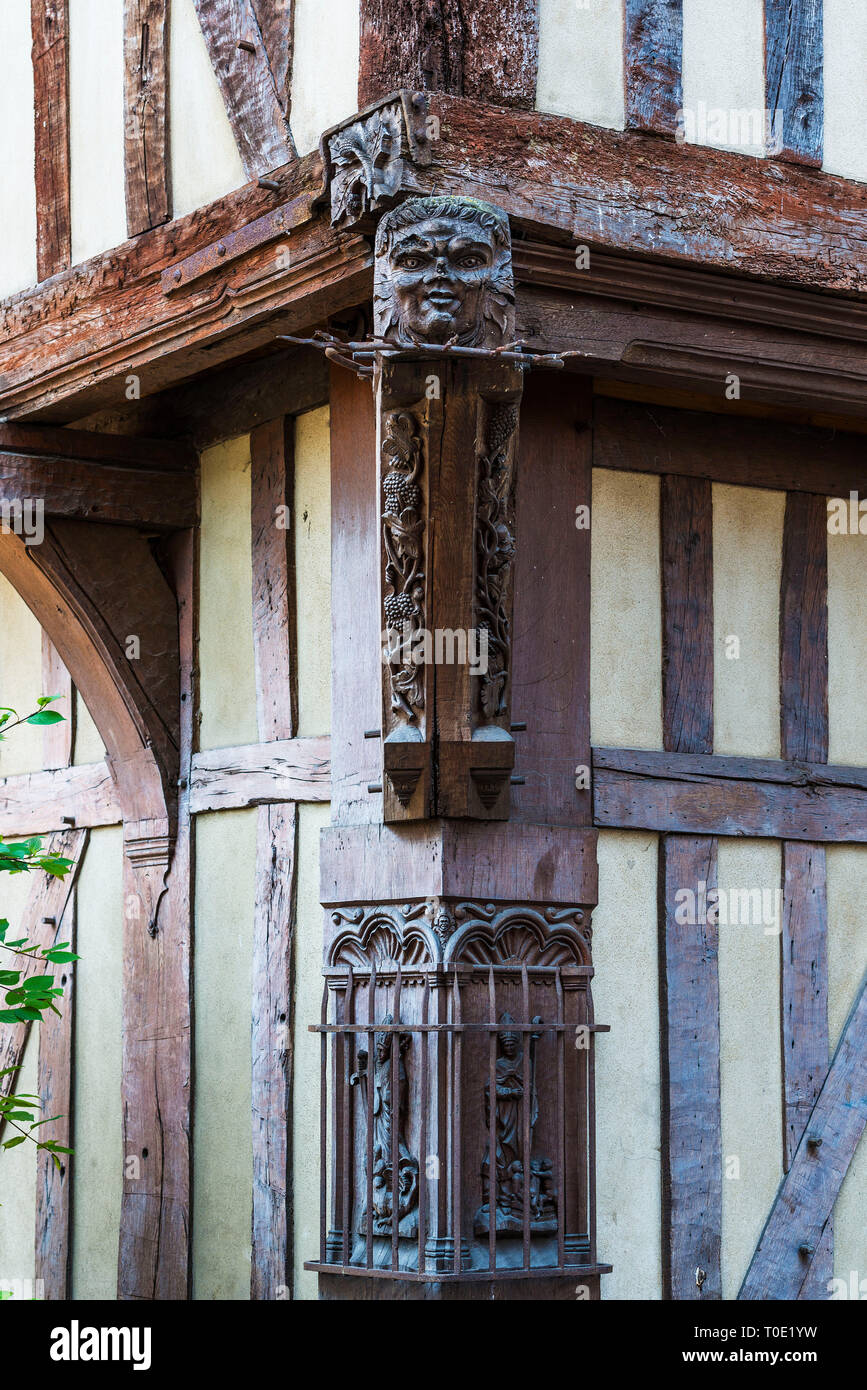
{"points": [[383, 937], [521, 935]]}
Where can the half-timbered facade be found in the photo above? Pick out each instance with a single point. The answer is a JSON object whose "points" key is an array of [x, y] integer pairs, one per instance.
{"points": [[433, 471]]}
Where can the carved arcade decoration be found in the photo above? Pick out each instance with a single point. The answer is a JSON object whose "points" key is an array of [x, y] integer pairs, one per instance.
{"points": [[447, 436]]}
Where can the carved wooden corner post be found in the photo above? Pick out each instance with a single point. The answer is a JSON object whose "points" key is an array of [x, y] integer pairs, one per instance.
{"points": [[446, 437], [457, 1027]]}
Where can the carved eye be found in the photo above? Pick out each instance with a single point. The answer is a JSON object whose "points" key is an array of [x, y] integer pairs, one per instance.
{"points": [[411, 262], [472, 261]]}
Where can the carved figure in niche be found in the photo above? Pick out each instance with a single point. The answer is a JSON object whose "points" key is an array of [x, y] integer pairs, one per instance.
{"points": [[444, 274], [387, 1115], [510, 1161]]}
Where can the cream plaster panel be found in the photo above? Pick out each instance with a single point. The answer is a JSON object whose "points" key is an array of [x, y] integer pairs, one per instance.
{"points": [[626, 630], [89, 747], [20, 681], [724, 74], [747, 560], [204, 157], [96, 115], [750, 1066], [222, 1139], [17, 182], [97, 1165], [581, 60], [228, 677], [312, 539], [845, 45], [324, 69], [847, 648], [625, 994], [847, 954]]}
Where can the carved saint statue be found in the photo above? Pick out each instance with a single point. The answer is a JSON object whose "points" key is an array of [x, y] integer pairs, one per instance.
{"points": [[510, 1160], [444, 274], [386, 1116]]}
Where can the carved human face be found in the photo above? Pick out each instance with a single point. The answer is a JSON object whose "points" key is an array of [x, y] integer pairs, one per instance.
{"points": [[440, 271]]}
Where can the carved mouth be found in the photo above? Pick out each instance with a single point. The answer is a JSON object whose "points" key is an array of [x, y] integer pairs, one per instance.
{"points": [[442, 299]]}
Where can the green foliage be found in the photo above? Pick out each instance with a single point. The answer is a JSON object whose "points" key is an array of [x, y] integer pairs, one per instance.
{"points": [[28, 997]]}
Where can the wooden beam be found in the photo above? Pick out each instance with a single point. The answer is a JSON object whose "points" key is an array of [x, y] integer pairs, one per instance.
{"points": [[34, 803], [794, 79], [88, 446], [274, 643], [793, 1232], [687, 794], [54, 1085], [272, 1051], [487, 51], [551, 653], [276, 20], [726, 448], [241, 62], [653, 51], [49, 21], [690, 1094], [689, 976], [804, 736], [99, 492], [156, 1083], [58, 740], [110, 316], [146, 123], [226, 403], [41, 922], [272, 477], [257, 774]]}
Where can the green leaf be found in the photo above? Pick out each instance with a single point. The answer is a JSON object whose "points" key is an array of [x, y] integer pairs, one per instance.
{"points": [[61, 957], [45, 716], [13, 1143], [47, 700]]}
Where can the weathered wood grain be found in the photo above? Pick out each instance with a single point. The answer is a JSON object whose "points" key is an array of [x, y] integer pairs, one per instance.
{"points": [[653, 52], [272, 474], [41, 921], [226, 403], [745, 451], [804, 630], [33, 803], [98, 492], [272, 1051], [686, 518], [256, 774], [690, 795], [247, 83], [156, 1080], [794, 79], [49, 21], [798, 1218], [488, 50], [276, 20], [690, 1094], [356, 621], [57, 739], [87, 446], [804, 736], [146, 117], [551, 648]]}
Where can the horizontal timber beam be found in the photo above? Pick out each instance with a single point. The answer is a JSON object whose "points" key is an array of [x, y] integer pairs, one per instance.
{"points": [[100, 492], [69, 345], [702, 794], [256, 774]]}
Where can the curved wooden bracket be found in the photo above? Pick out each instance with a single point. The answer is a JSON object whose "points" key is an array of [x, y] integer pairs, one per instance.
{"points": [[103, 600]]}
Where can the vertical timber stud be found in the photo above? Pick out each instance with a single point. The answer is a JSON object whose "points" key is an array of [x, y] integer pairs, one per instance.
{"points": [[794, 80], [552, 603], [653, 38], [155, 1223], [146, 123], [50, 32], [487, 51], [689, 979], [804, 738], [53, 1192], [272, 470]]}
